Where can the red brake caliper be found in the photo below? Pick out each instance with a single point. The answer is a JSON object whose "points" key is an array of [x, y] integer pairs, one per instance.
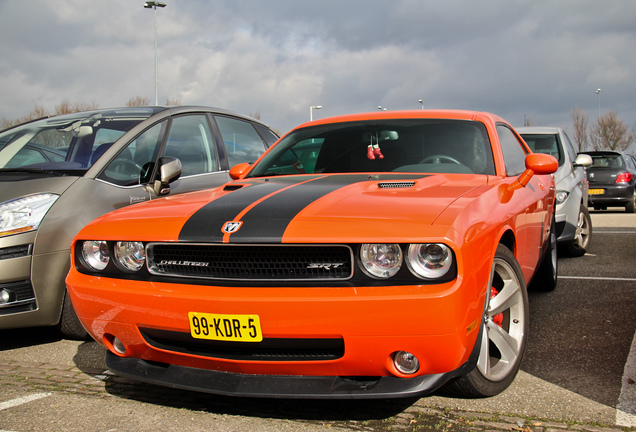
{"points": [[497, 319]]}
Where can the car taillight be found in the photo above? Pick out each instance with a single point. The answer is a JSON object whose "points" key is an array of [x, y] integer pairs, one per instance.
{"points": [[624, 178]]}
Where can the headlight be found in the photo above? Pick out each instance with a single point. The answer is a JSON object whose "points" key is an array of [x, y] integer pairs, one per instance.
{"points": [[95, 254], [429, 261], [130, 256], [561, 196], [25, 213], [381, 261]]}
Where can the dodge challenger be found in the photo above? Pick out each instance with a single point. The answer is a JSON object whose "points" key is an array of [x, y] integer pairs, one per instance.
{"points": [[371, 255]]}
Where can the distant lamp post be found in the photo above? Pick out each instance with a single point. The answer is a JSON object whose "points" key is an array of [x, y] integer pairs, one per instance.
{"points": [[154, 5], [380, 108], [598, 97], [311, 111], [421, 103]]}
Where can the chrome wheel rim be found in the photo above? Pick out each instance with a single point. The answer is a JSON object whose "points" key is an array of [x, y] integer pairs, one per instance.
{"points": [[504, 324], [582, 236]]}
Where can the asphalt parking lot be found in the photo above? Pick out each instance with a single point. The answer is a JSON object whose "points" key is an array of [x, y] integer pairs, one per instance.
{"points": [[578, 373]]}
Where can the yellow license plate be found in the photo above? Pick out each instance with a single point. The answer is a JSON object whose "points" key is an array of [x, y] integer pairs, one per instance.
{"points": [[239, 328], [596, 191]]}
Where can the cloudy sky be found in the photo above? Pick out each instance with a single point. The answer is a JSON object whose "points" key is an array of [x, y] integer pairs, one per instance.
{"points": [[517, 58]]}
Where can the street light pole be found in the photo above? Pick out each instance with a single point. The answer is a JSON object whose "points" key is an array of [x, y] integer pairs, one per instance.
{"points": [[311, 108], [598, 94], [154, 5], [421, 103]]}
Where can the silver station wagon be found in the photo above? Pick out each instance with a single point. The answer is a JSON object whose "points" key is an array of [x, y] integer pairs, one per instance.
{"points": [[57, 174]]}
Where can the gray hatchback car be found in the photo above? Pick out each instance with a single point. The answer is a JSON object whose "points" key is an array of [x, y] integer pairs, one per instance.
{"points": [[59, 173], [573, 222]]}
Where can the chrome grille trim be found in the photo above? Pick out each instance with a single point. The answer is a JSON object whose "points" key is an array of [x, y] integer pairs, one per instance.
{"points": [[232, 262]]}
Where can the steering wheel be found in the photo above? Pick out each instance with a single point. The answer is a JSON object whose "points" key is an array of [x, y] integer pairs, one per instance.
{"points": [[438, 158]]}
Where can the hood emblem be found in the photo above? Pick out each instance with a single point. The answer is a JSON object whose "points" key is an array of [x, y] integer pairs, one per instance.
{"points": [[591, 175], [231, 227]]}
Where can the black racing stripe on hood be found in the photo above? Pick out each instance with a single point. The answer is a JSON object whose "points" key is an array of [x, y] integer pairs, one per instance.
{"points": [[268, 220], [206, 223]]}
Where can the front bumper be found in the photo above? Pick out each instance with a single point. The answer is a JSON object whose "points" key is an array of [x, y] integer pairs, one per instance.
{"points": [[439, 324], [245, 385], [35, 295]]}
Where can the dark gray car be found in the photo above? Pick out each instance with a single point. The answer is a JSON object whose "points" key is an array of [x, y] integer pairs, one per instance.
{"points": [[612, 179], [59, 173], [573, 221]]}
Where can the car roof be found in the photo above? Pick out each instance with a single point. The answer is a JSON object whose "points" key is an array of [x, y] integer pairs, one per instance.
{"points": [[408, 114], [538, 129]]}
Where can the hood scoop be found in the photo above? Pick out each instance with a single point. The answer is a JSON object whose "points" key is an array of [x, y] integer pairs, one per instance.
{"points": [[396, 185], [232, 187]]}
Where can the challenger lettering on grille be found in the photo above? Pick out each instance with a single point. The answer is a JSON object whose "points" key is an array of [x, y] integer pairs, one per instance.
{"points": [[183, 263]]}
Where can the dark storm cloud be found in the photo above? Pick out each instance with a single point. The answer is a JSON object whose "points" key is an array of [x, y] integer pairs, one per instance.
{"points": [[515, 58]]}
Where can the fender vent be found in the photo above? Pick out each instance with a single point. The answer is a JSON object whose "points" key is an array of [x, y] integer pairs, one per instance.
{"points": [[396, 185]]}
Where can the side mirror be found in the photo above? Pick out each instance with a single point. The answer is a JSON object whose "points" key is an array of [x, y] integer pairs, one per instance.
{"points": [[536, 163], [238, 171], [584, 160], [169, 171]]}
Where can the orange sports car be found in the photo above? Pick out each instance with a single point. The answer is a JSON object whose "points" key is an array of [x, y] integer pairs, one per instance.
{"points": [[364, 256]]}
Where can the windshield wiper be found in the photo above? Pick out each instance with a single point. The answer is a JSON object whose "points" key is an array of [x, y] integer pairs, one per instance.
{"points": [[33, 171]]}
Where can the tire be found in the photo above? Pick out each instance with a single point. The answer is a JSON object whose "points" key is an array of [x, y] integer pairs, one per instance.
{"points": [[545, 278], [503, 336], [583, 234], [630, 207], [69, 325]]}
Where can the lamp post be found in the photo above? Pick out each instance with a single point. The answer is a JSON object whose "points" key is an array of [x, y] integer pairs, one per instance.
{"points": [[154, 5], [421, 103], [311, 108], [598, 97], [380, 108]]}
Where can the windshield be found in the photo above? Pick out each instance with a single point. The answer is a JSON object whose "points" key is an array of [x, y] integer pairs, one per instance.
{"points": [[544, 143], [68, 142], [417, 145]]}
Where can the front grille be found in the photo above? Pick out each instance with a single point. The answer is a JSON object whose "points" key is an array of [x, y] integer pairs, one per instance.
{"points": [[251, 262], [15, 251], [270, 349]]}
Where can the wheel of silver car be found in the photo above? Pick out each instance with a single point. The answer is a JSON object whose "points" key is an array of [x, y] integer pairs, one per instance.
{"points": [[583, 233], [503, 334]]}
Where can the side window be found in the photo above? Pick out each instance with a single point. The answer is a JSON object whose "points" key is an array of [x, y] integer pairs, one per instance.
{"points": [[269, 136], [569, 147], [242, 142], [134, 164], [513, 152], [191, 142]]}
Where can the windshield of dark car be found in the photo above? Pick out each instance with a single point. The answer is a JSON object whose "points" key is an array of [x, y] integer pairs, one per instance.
{"points": [[69, 142], [413, 145]]}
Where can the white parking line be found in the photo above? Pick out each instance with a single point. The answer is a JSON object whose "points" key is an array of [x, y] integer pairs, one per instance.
{"points": [[19, 401], [626, 408], [599, 278]]}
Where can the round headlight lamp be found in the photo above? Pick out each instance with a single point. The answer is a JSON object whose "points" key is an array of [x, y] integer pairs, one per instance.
{"points": [[561, 196], [96, 255], [381, 261], [429, 261], [130, 256]]}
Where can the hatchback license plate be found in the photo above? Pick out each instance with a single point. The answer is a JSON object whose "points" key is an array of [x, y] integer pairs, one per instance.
{"points": [[237, 328], [596, 191]]}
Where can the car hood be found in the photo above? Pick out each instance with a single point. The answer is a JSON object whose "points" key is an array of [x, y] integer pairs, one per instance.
{"points": [[298, 209], [15, 185]]}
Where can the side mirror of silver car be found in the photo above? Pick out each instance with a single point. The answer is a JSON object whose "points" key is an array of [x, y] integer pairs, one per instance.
{"points": [[169, 171], [583, 160]]}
